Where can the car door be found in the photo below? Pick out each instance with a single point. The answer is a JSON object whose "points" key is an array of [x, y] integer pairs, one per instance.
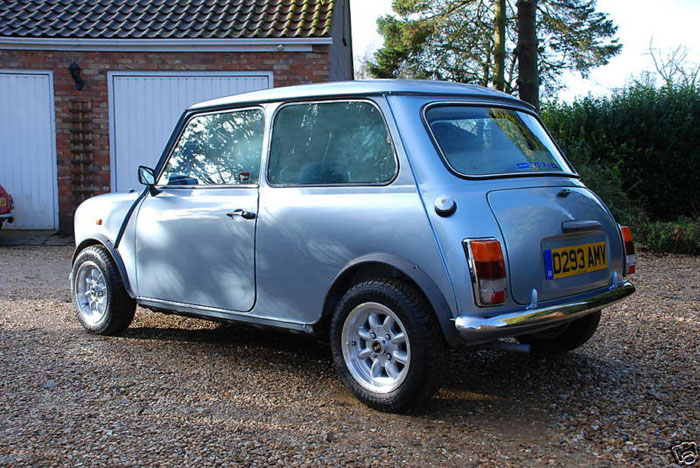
{"points": [[195, 237]]}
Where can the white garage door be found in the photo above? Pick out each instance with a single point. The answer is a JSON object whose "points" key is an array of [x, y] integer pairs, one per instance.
{"points": [[28, 148], [144, 108]]}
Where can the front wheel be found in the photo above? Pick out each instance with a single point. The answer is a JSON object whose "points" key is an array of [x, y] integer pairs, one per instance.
{"points": [[387, 346], [102, 304]]}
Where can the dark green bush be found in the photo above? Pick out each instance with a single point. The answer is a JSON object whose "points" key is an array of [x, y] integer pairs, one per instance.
{"points": [[677, 237], [639, 148], [606, 182]]}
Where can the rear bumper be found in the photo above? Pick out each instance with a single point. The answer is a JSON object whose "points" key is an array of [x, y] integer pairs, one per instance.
{"points": [[477, 329], [7, 217]]}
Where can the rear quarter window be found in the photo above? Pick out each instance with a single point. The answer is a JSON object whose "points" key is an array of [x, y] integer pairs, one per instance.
{"points": [[483, 141], [330, 143]]}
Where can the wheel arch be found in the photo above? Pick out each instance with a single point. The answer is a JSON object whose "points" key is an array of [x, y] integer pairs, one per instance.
{"points": [[388, 266], [103, 241]]}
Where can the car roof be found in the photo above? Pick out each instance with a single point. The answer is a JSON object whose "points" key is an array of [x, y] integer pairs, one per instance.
{"points": [[359, 88]]}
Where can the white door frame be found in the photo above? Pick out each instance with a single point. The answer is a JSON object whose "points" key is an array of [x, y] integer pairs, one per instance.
{"points": [[52, 108], [175, 74]]}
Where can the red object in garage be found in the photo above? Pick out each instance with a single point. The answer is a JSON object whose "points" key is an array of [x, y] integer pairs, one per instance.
{"points": [[7, 204]]}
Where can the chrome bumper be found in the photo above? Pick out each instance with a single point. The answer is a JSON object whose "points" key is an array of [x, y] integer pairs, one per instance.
{"points": [[477, 329], [6, 216]]}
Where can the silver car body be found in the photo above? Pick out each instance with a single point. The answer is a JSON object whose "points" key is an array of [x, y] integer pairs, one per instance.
{"points": [[178, 250]]}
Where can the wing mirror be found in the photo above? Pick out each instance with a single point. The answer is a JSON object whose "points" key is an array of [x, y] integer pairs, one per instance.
{"points": [[148, 178]]}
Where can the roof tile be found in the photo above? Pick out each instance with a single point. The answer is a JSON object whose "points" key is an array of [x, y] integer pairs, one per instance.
{"points": [[191, 19]]}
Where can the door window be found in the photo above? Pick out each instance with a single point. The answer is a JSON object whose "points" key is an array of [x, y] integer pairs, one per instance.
{"points": [[330, 143], [217, 149]]}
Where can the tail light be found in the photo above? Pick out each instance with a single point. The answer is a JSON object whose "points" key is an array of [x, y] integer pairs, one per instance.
{"points": [[630, 257], [488, 271]]}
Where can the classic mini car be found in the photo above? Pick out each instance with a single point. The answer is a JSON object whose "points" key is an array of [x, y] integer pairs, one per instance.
{"points": [[7, 204], [393, 218]]}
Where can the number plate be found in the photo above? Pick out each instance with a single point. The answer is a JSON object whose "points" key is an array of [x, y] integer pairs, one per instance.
{"points": [[3, 202], [575, 260]]}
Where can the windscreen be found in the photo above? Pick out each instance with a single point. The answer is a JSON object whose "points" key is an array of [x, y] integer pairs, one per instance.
{"points": [[493, 140]]}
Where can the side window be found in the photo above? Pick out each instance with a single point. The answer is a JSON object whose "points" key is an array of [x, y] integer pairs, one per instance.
{"points": [[330, 143], [218, 149]]}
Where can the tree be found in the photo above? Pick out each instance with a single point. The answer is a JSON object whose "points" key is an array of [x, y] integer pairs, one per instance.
{"points": [[499, 44], [361, 68], [674, 68], [526, 52], [459, 40]]}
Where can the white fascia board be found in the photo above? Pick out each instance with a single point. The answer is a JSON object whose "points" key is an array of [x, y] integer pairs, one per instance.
{"points": [[165, 45]]}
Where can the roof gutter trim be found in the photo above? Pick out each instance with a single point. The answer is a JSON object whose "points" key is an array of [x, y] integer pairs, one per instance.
{"points": [[166, 45], [478, 98]]}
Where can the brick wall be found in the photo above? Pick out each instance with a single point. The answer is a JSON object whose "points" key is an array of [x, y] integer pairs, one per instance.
{"points": [[289, 68]]}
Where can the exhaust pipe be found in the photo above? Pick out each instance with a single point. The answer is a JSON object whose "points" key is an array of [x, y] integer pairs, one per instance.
{"points": [[505, 346]]}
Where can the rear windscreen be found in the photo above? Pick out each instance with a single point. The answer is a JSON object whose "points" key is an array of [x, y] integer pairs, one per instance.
{"points": [[493, 140]]}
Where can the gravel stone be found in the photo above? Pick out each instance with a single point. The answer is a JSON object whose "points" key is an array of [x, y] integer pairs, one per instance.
{"points": [[179, 391]]}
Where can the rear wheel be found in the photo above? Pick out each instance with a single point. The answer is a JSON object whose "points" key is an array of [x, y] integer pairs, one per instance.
{"points": [[564, 338], [387, 346], [102, 304]]}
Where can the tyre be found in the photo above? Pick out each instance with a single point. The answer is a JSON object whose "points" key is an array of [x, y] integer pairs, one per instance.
{"points": [[102, 305], [564, 338], [387, 346]]}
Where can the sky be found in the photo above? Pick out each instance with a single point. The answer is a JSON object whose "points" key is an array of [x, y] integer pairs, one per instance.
{"points": [[670, 23]]}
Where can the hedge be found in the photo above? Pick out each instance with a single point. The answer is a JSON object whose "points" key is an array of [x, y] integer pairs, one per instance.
{"points": [[639, 149]]}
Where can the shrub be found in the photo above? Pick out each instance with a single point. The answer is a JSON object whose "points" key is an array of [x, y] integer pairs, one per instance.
{"points": [[676, 237], [643, 142]]}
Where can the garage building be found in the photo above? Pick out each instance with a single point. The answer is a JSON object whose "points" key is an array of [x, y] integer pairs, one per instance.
{"points": [[90, 89]]}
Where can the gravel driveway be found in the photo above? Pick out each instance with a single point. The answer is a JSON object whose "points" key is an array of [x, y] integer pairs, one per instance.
{"points": [[177, 391]]}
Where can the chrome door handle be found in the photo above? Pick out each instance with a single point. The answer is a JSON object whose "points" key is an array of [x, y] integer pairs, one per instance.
{"points": [[242, 213]]}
